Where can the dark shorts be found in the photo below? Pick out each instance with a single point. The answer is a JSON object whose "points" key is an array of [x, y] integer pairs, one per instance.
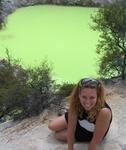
{"points": [[81, 134]]}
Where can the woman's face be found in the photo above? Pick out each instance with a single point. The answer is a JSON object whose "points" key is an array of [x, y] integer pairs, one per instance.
{"points": [[88, 98]]}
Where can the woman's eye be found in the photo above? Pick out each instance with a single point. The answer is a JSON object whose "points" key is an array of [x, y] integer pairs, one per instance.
{"points": [[92, 97], [84, 97]]}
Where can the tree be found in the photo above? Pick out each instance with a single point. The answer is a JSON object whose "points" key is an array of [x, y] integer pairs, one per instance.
{"points": [[110, 21]]}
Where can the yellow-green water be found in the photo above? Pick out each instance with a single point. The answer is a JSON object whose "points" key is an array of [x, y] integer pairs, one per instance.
{"points": [[61, 34]]}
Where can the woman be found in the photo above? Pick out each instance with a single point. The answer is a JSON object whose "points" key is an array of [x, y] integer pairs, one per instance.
{"points": [[89, 116]]}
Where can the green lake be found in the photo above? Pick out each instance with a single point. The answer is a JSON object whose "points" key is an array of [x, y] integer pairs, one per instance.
{"points": [[60, 34]]}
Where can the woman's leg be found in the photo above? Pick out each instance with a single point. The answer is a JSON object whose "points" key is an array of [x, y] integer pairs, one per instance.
{"points": [[61, 135], [59, 125]]}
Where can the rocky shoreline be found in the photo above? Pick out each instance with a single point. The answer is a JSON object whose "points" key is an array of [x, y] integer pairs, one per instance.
{"points": [[9, 6]]}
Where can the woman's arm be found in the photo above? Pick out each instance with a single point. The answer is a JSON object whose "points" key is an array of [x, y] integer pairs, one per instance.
{"points": [[102, 124], [72, 121]]}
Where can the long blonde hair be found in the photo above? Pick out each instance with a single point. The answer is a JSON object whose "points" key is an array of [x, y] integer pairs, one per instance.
{"points": [[75, 105]]}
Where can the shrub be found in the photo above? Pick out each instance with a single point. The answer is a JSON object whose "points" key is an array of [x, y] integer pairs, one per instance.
{"points": [[13, 85], [65, 89], [27, 90], [40, 83]]}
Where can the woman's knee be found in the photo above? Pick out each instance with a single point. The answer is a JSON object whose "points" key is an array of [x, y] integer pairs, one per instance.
{"points": [[57, 124], [51, 126]]}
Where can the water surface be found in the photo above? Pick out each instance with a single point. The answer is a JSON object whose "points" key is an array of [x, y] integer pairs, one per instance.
{"points": [[61, 34]]}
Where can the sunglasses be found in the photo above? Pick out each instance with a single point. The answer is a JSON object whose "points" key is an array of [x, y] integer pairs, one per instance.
{"points": [[87, 81]]}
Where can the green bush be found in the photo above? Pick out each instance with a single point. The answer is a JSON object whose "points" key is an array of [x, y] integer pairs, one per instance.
{"points": [[40, 83], [13, 85], [65, 89], [28, 90]]}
